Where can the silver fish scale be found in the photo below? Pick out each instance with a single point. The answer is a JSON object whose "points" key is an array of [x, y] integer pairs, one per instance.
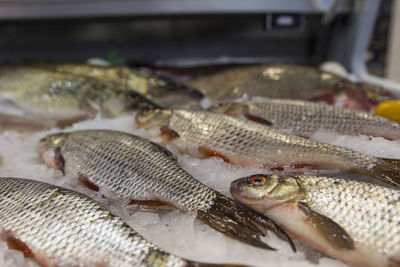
{"points": [[65, 228], [133, 168], [303, 117], [369, 213], [258, 143]]}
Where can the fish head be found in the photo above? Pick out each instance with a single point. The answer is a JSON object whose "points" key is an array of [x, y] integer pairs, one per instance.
{"points": [[49, 149], [153, 118], [261, 191]]}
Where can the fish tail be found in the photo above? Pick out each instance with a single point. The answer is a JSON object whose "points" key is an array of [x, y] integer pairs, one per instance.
{"points": [[240, 223], [395, 162], [385, 172]]}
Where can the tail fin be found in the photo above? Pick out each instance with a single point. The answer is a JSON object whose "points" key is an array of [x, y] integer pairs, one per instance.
{"points": [[385, 172], [241, 223], [395, 162]]}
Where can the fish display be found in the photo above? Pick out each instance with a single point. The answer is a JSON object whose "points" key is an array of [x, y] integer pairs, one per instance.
{"points": [[141, 172], [64, 97], [289, 81], [353, 221], [161, 90], [303, 118], [243, 142], [59, 227]]}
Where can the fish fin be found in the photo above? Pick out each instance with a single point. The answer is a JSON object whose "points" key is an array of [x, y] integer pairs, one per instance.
{"points": [[167, 134], [16, 123], [17, 244], [68, 122], [385, 172], [258, 119], [329, 229], [149, 203], [83, 180], [239, 222], [395, 162], [208, 153], [59, 160]]}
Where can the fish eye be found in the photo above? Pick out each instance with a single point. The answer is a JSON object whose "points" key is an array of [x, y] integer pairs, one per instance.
{"points": [[258, 180]]}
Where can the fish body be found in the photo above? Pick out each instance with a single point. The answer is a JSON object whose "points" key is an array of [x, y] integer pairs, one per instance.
{"points": [[59, 227], [239, 141], [288, 81], [161, 90], [47, 94], [135, 169], [303, 118], [353, 221]]}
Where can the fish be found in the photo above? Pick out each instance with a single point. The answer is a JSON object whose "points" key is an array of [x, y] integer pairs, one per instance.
{"points": [[159, 89], [141, 172], [353, 221], [303, 118], [56, 226], [64, 97], [291, 82], [239, 141]]}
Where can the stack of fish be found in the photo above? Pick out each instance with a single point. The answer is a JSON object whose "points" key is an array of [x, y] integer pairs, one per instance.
{"points": [[353, 221]]}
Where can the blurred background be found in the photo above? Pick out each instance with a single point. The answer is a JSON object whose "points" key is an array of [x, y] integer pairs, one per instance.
{"points": [[361, 35]]}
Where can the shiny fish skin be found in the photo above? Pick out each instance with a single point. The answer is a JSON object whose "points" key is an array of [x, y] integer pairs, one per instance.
{"points": [[369, 213], [289, 81], [160, 90], [276, 81], [47, 94], [303, 118], [65, 228], [136, 169], [245, 142]]}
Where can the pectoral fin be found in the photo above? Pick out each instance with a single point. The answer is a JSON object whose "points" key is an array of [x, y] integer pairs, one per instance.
{"points": [[329, 229]]}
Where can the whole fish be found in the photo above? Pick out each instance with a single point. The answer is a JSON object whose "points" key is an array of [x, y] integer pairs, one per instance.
{"points": [[355, 222], [303, 118], [46, 94], [161, 90], [240, 141], [59, 227], [143, 172], [289, 81]]}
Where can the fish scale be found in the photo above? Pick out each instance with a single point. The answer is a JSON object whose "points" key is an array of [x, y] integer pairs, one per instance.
{"points": [[83, 234]]}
